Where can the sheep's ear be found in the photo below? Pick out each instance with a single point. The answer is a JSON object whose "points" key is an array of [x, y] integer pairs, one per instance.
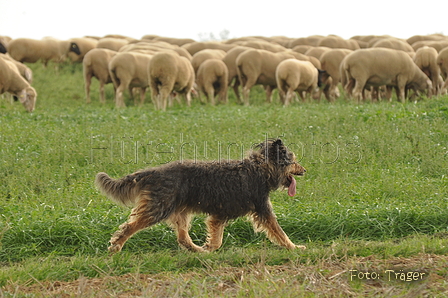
{"points": [[22, 95]]}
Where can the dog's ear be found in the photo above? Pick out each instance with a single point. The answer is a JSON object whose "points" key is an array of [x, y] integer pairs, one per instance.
{"points": [[278, 142]]}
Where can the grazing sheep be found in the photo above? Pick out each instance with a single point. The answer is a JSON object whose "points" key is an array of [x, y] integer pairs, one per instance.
{"points": [[195, 47], [96, 64], [230, 61], [79, 48], [258, 67], [330, 62], [212, 80], [442, 62], [129, 70], [393, 43], [110, 43], [169, 72], [383, 67], [206, 54], [317, 51], [293, 75], [24, 70], [336, 42], [426, 60], [12, 82], [32, 50]]}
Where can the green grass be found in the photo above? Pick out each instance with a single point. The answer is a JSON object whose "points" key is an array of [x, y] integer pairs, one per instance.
{"points": [[376, 172]]}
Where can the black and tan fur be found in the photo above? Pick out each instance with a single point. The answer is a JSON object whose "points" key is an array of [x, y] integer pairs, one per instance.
{"points": [[224, 190]]}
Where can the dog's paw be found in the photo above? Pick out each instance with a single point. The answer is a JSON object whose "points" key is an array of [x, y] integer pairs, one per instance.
{"points": [[303, 247], [114, 248]]}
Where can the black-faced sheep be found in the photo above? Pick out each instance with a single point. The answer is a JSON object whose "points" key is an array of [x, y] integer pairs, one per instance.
{"points": [[442, 62], [383, 67], [426, 60], [206, 54], [96, 64], [212, 80], [293, 75], [129, 70], [258, 67], [168, 73], [79, 47], [32, 50], [12, 82]]}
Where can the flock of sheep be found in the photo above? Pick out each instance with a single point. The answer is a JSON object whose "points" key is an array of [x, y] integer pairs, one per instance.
{"points": [[364, 66]]}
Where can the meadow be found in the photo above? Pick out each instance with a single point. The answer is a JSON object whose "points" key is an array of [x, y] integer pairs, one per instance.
{"points": [[374, 198]]}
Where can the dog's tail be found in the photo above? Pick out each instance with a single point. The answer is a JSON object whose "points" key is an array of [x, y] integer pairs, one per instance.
{"points": [[122, 191]]}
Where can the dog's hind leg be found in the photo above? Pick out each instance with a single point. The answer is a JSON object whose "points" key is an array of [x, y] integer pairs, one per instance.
{"points": [[215, 229], [180, 221], [268, 223], [138, 220]]}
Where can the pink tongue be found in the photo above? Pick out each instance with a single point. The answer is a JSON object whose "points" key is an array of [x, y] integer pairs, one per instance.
{"points": [[292, 187]]}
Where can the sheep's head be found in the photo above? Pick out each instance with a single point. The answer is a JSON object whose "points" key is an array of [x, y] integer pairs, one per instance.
{"points": [[74, 48], [28, 98]]}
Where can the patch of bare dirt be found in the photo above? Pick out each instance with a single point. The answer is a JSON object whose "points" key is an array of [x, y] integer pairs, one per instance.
{"points": [[423, 275]]}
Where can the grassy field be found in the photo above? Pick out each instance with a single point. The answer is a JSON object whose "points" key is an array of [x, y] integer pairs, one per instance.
{"points": [[374, 199]]}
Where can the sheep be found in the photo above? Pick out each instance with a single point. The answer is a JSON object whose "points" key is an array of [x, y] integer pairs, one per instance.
{"points": [[393, 43], [12, 82], [4, 41], [330, 62], [24, 70], [79, 47], [337, 42], [110, 43], [96, 64], [129, 70], [195, 47], [169, 72], [442, 62], [212, 79], [426, 60], [382, 66], [258, 67], [230, 61], [32, 50], [293, 75], [203, 55], [317, 51]]}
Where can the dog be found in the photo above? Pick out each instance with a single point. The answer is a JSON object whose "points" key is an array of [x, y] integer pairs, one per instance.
{"points": [[224, 190]]}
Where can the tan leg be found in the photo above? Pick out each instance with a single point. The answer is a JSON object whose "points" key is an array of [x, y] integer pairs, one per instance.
{"points": [[181, 224], [274, 232], [215, 228], [138, 220]]}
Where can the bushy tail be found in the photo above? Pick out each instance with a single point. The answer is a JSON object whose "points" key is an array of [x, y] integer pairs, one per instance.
{"points": [[122, 191]]}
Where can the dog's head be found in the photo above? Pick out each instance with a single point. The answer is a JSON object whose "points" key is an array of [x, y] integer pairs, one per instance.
{"points": [[277, 156]]}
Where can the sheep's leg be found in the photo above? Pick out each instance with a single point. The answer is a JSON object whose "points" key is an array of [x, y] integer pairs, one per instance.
{"points": [[357, 90], [268, 90], [142, 95], [236, 86], [119, 102], [87, 82], [102, 94]]}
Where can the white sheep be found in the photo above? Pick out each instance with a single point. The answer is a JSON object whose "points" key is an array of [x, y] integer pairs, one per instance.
{"points": [[383, 67], [230, 61], [442, 62], [212, 80], [293, 75], [32, 50], [111, 43], [426, 60], [24, 70], [330, 62], [168, 73], [129, 70], [12, 82], [258, 67], [203, 55], [96, 64]]}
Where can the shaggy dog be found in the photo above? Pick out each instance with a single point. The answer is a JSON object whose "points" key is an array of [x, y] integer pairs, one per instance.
{"points": [[224, 190]]}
